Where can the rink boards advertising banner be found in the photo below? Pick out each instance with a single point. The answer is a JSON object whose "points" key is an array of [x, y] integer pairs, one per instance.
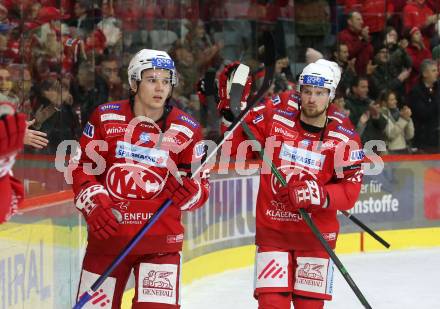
{"points": [[26, 266], [387, 197], [228, 218]]}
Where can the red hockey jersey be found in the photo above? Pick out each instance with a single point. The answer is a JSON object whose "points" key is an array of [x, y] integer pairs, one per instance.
{"points": [[132, 159], [332, 155]]}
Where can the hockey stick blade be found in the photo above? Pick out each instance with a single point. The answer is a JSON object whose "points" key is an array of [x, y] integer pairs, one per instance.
{"points": [[270, 64], [239, 80]]}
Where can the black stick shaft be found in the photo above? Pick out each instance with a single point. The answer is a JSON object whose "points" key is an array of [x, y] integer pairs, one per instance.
{"points": [[366, 228]]}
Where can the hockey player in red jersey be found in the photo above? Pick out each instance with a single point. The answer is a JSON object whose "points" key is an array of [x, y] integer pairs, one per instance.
{"points": [[320, 158], [127, 167], [12, 129]]}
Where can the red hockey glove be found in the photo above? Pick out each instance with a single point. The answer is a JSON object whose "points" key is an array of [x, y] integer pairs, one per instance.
{"points": [[224, 86], [96, 206], [183, 196], [12, 128], [306, 194]]}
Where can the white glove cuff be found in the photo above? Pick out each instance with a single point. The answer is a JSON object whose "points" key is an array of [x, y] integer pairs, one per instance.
{"points": [[84, 199]]}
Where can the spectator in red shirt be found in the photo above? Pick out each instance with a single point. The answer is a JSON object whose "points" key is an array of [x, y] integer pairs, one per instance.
{"points": [[374, 12], [418, 14], [418, 52], [357, 38]]}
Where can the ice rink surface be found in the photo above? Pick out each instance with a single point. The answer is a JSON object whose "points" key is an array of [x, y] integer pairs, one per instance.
{"points": [[389, 280]]}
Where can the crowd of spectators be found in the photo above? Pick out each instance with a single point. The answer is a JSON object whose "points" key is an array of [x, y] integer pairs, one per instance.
{"points": [[59, 59]]}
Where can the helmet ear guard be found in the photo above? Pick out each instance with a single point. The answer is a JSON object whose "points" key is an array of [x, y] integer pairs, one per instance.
{"points": [[150, 59]]}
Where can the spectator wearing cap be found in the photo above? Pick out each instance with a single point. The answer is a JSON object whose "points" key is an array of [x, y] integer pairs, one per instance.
{"points": [[418, 14], [312, 55], [424, 101], [388, 75], [357, 38], [418, 52]]}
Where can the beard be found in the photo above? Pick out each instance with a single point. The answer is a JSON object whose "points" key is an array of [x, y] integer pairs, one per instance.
{"points": [[313, 113]]}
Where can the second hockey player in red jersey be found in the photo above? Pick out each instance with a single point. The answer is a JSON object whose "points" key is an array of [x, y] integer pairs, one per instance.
{"points": [[320, 158], [12, 130], [132, 154]]}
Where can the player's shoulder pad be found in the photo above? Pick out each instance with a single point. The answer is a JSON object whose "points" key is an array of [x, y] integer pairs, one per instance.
{"points": [[342, 132], [290, 100]]}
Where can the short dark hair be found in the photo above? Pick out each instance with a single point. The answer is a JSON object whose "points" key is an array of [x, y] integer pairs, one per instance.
{"points": [[337, 47], [357, 80], [351, 13], [425, 64]]}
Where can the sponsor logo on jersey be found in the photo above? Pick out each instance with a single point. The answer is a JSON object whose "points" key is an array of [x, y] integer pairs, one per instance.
{"points": [[134, 181], [107, 117], [89, 130], [293, 104], [272, 269], [115, 129], [199, 150], [284, 120], [173, 140], [258, 108], [258, 118], [189, 121], [314, 275], [302, 157], [329, 236], [345, 130], [172, 239], [276, 100], [157, 283], [144, 137], [356, 155], [338, 135], [286, 113], [305, 142], [341, 115], [310, 135], [278, 129], [328, 144], [179, 128], [110, 107], [150, 156]]}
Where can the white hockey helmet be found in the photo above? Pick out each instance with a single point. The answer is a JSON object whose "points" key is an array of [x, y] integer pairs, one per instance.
{"points": [[319, 75], [150, 59], [334, 67]]}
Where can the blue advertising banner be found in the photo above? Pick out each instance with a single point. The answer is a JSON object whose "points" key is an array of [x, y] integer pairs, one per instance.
{"points": [[387, 197]]}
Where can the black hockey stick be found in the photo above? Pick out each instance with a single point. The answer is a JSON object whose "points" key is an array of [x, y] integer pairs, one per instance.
{"points": [[303, 213], [270, 64], [372, 233]]}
